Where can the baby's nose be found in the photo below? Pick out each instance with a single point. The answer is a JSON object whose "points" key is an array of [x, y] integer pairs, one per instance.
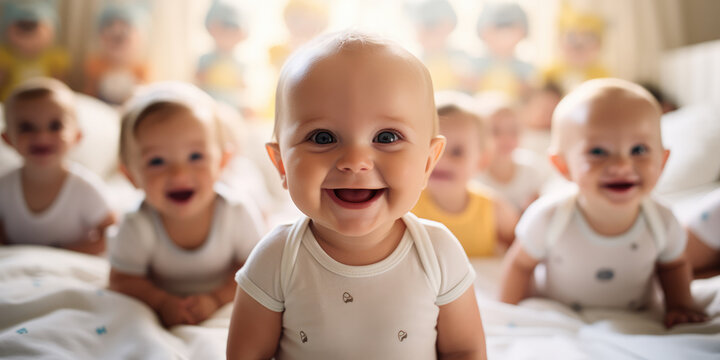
{"points": [[355, 158], [621, 164]]}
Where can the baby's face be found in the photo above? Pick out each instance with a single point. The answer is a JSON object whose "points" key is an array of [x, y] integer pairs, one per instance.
{"points": [[461, 159], [505, 128], [176, 160], [355, 141], [41, 131], [615, 154]]}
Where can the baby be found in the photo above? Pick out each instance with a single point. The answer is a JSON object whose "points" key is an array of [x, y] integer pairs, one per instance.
{"points": [[602, 245], [510, 171], [178, 252], [356, 139], [476, 217], [703, 249], [49, 201]]}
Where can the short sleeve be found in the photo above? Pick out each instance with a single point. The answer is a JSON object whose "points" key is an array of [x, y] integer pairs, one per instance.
{"points": [[130, 249], [259, 277], [531, 230], [705, 221], [676, 237], [456, 273], [95, 205]]}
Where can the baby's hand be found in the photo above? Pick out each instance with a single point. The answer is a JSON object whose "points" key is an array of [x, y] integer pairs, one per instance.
{"points": [[201, 307], [174, 311], [682, 315]]}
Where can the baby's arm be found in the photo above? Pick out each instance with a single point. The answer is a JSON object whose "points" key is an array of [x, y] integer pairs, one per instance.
{"points": [[517, 270], [172, 309], [204, 305], [460, 332], [506, 218], [675, 279], [94, 243], [704, 260], [254, 329]]}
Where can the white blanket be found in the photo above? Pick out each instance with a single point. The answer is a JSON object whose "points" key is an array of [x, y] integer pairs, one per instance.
{"points": [[53, 304]]}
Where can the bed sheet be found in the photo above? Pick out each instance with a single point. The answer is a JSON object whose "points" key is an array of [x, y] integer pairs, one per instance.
{"points": [[53, 304]]}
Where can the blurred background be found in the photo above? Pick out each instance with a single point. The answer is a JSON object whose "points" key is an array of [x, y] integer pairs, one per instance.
{"points": [[171, 36]]}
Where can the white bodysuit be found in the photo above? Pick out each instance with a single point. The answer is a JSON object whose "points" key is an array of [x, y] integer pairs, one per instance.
{"points": [[586, 269], [525, 184], [142, 247], [79, 207], [386, 310], [705, 222]]}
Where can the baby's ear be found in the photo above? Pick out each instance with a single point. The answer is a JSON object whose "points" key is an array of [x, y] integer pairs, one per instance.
{"points": [[6, 139], [666, 155], [226, 154], [123, 169], [437, 146], [560, 165], [484, 160], [273, 150], [78, 136]]}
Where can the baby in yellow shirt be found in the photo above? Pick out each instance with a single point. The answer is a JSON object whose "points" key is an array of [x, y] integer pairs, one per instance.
{"points": [[477, 217]]}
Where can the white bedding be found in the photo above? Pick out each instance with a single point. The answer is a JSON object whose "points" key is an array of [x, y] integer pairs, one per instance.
{"points": [[53, 305]]}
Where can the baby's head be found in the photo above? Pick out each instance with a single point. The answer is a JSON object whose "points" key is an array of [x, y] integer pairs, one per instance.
{"points": [[606, 139], [502, 121], [227, 23], [40, 121], [434, 20], [467, 138], [173, 147], [355, 131]]}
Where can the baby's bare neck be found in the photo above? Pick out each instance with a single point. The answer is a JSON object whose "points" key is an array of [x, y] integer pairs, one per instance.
{"points": [[359, 250]]}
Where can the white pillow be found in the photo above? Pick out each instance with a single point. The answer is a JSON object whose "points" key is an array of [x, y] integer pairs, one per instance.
{"points": [[98, 149], [692, 134]]}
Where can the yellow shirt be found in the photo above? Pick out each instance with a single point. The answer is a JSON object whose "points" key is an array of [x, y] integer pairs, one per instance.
{"points": [[474, 226], [52, 62]]}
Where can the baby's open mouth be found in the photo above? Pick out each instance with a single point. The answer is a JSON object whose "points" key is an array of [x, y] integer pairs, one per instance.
{"points": [[357, 195], [620, 185], [441, 175], [180, 195], [40, 150]]}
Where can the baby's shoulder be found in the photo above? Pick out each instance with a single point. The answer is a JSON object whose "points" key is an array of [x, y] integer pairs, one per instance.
{"points": [[537, 217], [444, 243], [271, 246], [10, 176], [85, 179]]}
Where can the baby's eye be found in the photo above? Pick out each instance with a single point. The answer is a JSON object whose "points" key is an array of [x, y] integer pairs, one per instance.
{"points": [[56, 125], [639, 150], [322, 137], [596, 151], [25, 127], [155, 161], [386, 137], [195, 156], [456, 152]]}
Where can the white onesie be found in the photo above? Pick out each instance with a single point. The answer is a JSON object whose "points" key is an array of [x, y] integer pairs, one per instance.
{"points": [[586, 269], [525, 184], [386, 310], [79, 207], [142, 247], [705, 222]]}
